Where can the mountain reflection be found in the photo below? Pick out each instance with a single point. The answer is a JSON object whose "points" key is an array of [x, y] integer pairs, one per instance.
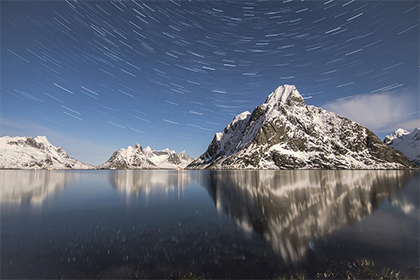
{"points": [[136, 182], [290, 208], [31, 186]]}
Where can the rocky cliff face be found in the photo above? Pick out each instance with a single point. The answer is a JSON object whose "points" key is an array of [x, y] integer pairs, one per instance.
{"points": [[135, 157], [285, 133], [35, 153], [406, 142]]}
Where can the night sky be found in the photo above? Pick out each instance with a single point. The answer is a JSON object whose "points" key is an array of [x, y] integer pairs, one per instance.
{"points": [[96, 76]]}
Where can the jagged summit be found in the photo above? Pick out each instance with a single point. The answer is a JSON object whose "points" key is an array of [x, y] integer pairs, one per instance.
{"points": [[396, 134], [285, 95], [285, 133], [35, 153], [132, 157]]}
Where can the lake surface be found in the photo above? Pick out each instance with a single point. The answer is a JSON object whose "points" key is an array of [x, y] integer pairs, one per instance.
{"points": [[213, 224]]}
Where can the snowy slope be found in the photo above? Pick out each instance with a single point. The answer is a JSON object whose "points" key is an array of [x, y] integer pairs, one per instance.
{"points": [[135, 157], [406, 142], [35, 153], [285, 133]]}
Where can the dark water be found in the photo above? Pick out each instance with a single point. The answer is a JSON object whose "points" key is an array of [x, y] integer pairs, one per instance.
{"points": [[213, 224]]}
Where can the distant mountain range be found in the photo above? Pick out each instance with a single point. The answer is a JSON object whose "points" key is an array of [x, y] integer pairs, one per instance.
{"points": [[135, 157], [281, 133], [39, 153], [285, 133], [406, 142]]}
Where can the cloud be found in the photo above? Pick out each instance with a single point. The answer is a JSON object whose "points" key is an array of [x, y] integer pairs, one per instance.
{"points": [[381, 112], [78, 148]]}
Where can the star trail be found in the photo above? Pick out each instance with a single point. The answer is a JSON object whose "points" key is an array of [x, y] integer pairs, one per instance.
{"points": [[172, 73]]}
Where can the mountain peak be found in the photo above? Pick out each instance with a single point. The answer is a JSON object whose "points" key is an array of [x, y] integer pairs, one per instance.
{"points": [[285, 94], [397, 134], [148, 151]]}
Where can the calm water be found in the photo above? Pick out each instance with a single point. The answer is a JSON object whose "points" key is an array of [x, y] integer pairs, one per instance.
{"points": [[214, 224]]}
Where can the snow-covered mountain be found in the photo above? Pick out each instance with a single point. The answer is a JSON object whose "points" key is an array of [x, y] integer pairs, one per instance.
{"points": [[135, 157], [167, 159], [285, 133], [35, 153], [406, 142]]}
